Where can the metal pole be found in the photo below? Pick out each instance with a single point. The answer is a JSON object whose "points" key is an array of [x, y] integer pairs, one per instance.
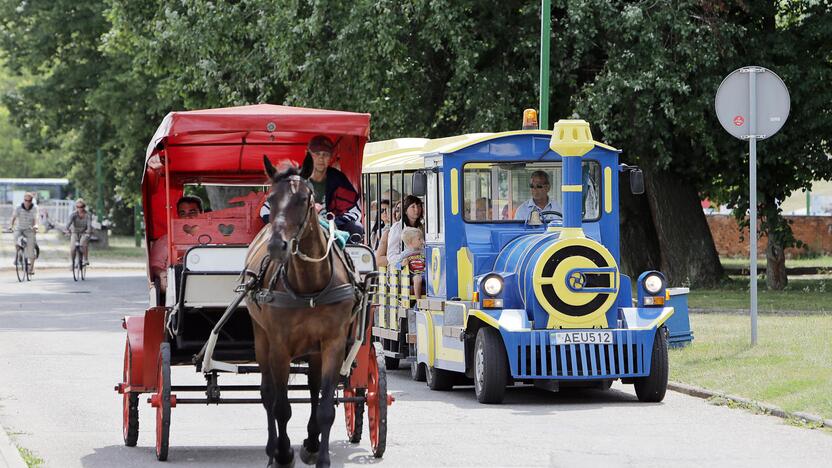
{"points": [[137, 223], [545, 37], [808, 202], [752, 225], [99, 182]]}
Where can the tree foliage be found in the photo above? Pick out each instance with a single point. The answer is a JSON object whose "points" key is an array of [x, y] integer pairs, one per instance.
{"points": [[644, 74]]}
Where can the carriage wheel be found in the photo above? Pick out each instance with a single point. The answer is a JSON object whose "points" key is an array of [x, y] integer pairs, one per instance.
{"points": [[163, 403], [130, 404], [377, 402], [354, 414], [20, 266]]}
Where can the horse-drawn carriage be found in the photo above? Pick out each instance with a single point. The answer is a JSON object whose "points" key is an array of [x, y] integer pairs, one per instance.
{"points": [[197, 305]]}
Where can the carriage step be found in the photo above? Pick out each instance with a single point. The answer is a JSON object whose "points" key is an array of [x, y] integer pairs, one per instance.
{"points": [[243, 401], [256, 370]]}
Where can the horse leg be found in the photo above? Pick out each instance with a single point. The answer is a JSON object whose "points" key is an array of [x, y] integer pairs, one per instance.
{"points": [[332, 356], [282, 408], [267, 390], [309, 451]]}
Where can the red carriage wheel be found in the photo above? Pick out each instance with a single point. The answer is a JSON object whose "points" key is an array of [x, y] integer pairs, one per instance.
{"points": [[354, 414], [130, 403], [163, 403], [377, 402]]}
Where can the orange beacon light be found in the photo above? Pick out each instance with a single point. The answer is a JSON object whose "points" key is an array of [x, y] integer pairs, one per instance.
{"points": [[530, 119]]}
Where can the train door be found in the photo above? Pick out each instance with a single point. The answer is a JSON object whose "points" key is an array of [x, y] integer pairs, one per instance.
{"points": [[435, 228]]}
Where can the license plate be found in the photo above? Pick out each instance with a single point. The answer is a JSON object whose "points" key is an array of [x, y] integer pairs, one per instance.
{"points": [[582, 337]]}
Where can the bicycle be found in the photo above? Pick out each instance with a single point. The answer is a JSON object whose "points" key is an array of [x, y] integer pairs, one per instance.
{"points": [[22, 264], [79, 267]]}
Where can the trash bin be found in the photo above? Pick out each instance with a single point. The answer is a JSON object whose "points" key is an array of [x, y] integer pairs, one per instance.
{"points": [[678, 325]]}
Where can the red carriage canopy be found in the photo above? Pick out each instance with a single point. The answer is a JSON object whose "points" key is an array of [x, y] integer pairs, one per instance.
{"points": [[227, 145]]}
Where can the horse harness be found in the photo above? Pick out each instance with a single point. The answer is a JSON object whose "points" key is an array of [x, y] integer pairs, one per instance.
{"points": [[288, 298]]}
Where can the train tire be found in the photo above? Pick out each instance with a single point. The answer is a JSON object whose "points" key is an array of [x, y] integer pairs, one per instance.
{"points": [[438, 379], [490, 367], [652, 388], [417, 371]]}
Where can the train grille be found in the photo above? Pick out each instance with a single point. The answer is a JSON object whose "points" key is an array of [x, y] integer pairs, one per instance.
{"points": [[536, 356]]}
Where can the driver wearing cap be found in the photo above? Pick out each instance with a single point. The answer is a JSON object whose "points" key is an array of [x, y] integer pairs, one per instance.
{"points": [[333, 191]]}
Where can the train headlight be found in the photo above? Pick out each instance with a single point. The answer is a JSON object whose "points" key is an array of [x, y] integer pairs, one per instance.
{"points": [[653, 283], [492, 285]]}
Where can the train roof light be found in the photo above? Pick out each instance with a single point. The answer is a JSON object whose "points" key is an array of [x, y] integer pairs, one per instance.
{"points": [[530, 119]]}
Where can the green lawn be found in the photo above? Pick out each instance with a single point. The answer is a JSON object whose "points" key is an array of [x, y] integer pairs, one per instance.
{"points": [[121, 247], [811, 295], [790, 367], [744, 262]]}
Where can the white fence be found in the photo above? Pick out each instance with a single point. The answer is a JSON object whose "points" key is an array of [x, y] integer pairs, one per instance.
{"points": [[52, 212]]}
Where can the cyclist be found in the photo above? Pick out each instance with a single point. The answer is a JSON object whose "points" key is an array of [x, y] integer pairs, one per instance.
{"points": [[26, 216], [79, 228]]}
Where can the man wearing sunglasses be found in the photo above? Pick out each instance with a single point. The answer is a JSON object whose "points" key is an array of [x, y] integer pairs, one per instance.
{"points": [[26, 216], [540, 201]]}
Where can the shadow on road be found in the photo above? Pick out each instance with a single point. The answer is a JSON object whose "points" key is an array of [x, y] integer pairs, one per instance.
{"points": [[341, 452], [519, 399]]}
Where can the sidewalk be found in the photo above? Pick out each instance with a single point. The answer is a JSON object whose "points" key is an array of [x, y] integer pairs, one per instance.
{"points": [[9, 455]]}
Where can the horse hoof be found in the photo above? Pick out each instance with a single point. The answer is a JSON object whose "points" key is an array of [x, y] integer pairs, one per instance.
{"points": [[289, 464], [310, 458]]}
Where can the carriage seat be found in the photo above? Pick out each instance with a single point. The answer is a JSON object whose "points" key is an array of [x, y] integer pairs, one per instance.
{"points": [[210, 274]]}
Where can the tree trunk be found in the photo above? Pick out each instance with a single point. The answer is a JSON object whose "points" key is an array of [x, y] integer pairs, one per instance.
{"points": [[639, 244], [776, 278], [688, 254]]}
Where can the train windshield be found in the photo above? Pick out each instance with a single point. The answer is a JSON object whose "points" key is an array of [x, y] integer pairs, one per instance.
{"points": [[506, 192]]}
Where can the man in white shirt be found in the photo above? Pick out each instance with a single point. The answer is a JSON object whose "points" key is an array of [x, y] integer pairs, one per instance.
{"points": [[540, 201]]}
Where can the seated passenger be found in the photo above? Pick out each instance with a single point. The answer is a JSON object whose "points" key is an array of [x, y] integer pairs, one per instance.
{"points": [[414, 257], [187, 207], [333, 191], [540, 201], [381, 248], [412, 216]]}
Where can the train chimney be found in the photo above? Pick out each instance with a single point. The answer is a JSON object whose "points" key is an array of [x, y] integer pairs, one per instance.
{"points": [[572, 139]]}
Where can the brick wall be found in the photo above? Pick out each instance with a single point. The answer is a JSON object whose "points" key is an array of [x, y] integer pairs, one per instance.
{"points": [[815, 231]]}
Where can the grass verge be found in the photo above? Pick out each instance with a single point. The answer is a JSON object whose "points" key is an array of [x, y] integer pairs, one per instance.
{"points": [[810, 295], [821, 261], [791, 366], [31, 460]]}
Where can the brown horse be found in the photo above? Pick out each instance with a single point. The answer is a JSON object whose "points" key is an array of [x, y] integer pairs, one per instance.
{"points": [[292, 319]]}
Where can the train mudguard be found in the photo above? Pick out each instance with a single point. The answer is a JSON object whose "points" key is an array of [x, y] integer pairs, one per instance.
{"points": [[645, 318]]}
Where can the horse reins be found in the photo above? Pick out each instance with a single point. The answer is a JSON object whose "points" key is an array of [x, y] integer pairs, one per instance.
{"points": [[294, 243]]}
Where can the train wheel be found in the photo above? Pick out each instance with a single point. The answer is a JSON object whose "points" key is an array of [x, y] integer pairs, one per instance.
{"points": [[377, 403], [130, 404], [391, 363], [490, 367], [163, 403], [354, 414], [417, 371], [438, 379], [653, 387]]}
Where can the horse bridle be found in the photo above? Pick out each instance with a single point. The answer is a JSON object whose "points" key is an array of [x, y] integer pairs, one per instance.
{"points": [[293, 245]]}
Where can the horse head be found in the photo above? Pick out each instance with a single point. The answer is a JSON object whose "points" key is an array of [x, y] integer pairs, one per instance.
{"points": [[292, 209]]}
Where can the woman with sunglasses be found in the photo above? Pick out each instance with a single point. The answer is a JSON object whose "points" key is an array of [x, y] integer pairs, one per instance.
{"points": [[26, 216], [540, 201], [79, 228]]}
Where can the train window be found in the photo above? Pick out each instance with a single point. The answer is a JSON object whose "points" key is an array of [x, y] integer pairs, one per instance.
{"points": [[432, 207], [494, 192]]}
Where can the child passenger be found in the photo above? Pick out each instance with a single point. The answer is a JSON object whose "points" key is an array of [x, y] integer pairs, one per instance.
{"points": [[414, 257]]}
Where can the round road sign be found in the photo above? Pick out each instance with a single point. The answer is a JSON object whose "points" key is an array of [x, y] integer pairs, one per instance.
{"points": [[732, 103]]}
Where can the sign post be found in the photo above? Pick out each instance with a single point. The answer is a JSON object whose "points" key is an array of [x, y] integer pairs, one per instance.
{"points": [[752, 103], [545, 39]]}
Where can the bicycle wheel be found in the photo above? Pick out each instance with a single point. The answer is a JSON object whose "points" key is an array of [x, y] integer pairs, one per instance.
{"points": [[76, 271], [83, 269], [20, 266]]}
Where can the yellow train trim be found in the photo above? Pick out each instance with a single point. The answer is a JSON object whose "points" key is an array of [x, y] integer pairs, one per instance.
{"points": [[608, 190]]}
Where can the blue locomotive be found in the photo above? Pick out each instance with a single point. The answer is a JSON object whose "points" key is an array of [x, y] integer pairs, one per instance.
{"points": [[522, 254]]}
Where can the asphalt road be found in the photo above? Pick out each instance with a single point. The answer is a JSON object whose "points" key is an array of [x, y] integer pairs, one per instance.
{"points": [[61, 346]]}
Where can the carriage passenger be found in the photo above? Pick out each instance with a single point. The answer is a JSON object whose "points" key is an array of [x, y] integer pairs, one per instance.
{"points": [[186, 207], [414, 257], [412, 216]]}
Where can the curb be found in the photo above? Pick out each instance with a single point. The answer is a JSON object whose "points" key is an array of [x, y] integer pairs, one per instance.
{"points": [[9, 455], [770, 409]]}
